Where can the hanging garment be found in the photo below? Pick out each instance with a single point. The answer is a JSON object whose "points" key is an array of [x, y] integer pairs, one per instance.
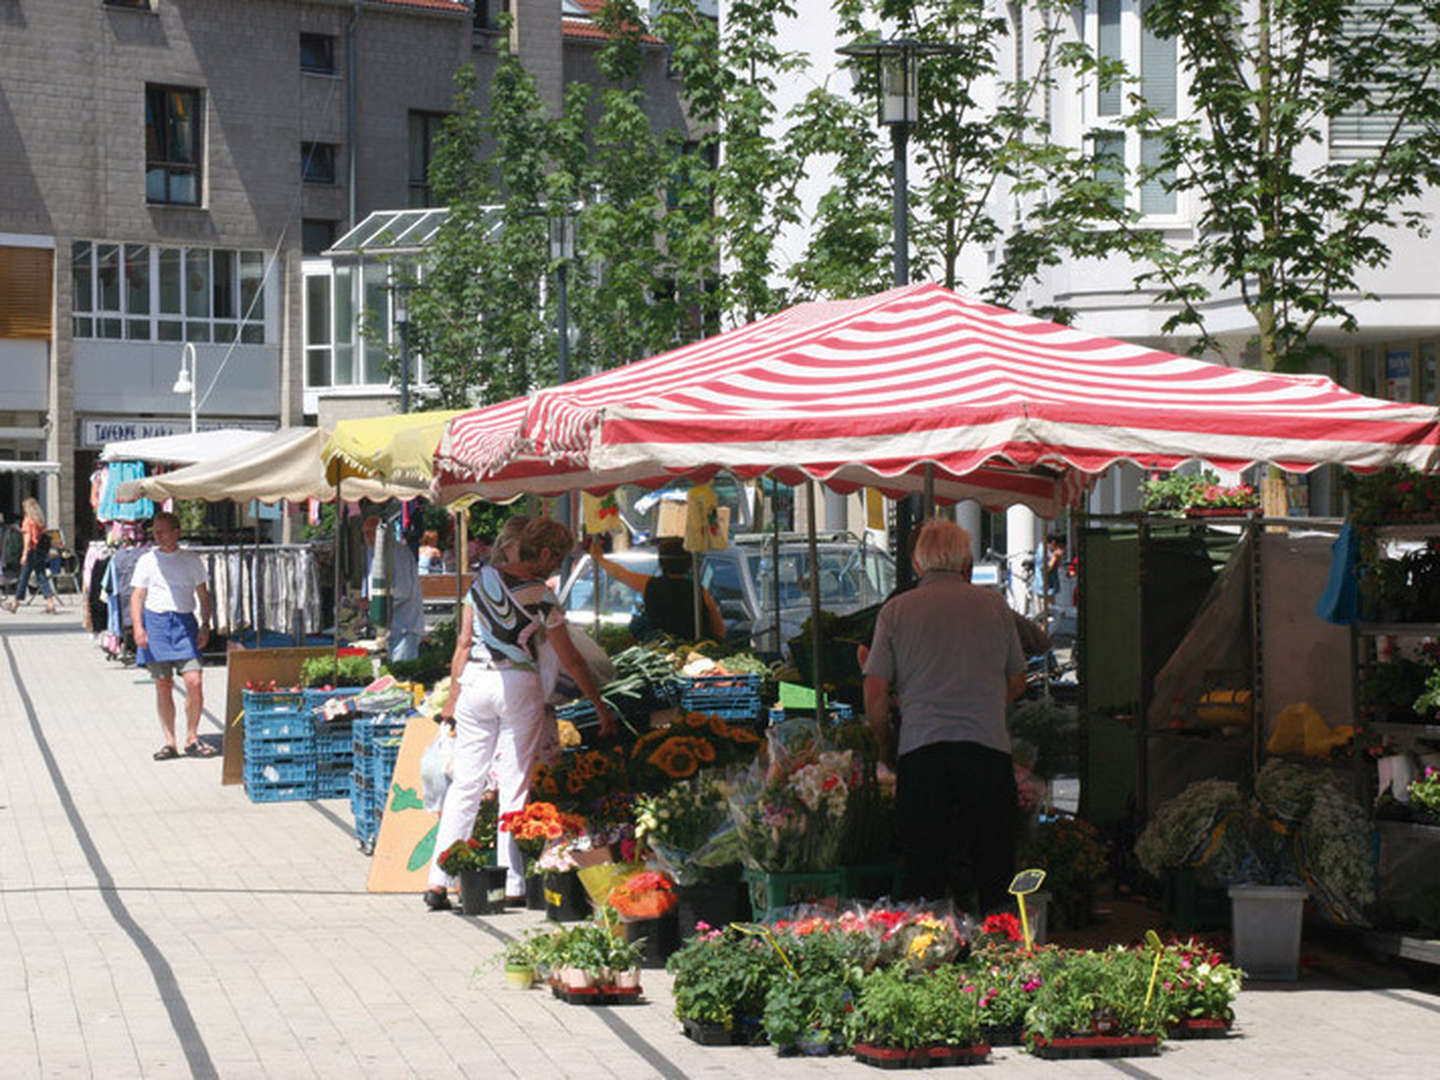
{"points": [[116, 474]]}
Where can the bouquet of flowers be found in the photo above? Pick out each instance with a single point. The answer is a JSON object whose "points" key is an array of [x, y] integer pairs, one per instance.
{"points": [[795, 821], [646, 895], [690, 744], [580, 778], [688, 827], [538, 824]]}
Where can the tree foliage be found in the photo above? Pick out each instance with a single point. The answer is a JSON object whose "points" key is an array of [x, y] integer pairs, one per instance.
{"points": [[1285, 214]]}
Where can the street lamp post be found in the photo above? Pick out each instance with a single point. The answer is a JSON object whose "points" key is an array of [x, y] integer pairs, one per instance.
{"points": [[402, 324], [562, 251], [185, 381], [897, 68]]}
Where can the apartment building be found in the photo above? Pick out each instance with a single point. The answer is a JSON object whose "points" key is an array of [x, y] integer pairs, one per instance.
{"points": [[170, 171]]}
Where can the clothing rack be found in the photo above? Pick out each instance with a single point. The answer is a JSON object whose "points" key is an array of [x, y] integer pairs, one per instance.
{"points": [[263, 586]]}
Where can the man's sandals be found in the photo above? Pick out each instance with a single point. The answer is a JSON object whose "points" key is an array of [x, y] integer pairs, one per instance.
{"points": [[195, 749]]}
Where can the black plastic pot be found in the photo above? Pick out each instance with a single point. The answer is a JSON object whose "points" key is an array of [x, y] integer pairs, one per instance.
{"points": [[565, 898], [482, 891], [535, 892], [662, 937], [714, 905]]}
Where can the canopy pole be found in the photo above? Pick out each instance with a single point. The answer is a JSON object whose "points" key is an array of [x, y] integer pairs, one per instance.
{"points": [[335, 600], [595, 598], [460, 526], [929, 509], [695, 592], [814, 600], [775, 557]]}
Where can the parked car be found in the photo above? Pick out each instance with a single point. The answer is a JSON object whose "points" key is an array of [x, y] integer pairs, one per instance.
{"points": [[744, 582]]}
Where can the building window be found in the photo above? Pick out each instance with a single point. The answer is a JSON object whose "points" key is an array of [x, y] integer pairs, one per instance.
{"points": [[349, 323], [1116, 30], [317, 162], [317, 54], [424, 131], [172, 145], [487, 15], [1359, 131], [136, 292], [135, 5], [316, 236]]}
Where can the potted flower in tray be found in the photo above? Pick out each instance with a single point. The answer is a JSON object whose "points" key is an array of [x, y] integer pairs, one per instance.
{"points": [[1425, 796], [646, 904], [520, 961], [534, 827], [806, 1005], [1197, 991], [903, 1019], [1094, 1003], [1007, 979], [722, 978]]}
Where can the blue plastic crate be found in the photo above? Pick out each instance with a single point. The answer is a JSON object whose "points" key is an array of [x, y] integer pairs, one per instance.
{"points": [[279, 725], [742, 715], [332, 739], [281, 771], [334, 785], [279, 750], [316, 699], [260, 791]]}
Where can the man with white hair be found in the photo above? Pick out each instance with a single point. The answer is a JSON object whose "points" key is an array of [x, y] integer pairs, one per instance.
{"points": [[953, 655]]}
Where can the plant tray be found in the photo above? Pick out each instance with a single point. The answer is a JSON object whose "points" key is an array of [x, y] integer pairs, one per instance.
{"points": [[599, 995], [1199, 1027], [706, 1034], [921, 1057], [1095, 1046]]}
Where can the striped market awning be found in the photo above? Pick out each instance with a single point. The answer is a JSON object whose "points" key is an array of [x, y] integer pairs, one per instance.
{"points": [[1003, 407]]}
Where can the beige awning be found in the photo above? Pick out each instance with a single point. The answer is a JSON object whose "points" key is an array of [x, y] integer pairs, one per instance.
{"points": [[284, 465]]}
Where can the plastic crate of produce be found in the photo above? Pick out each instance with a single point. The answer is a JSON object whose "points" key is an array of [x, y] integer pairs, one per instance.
{"points": [[261, 791], [281, 771], [267, 703], [721, 684], [316, 699]]}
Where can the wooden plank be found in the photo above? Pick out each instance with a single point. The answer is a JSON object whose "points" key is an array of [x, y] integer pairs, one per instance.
{"points": [[406, 844], [255, 665]]}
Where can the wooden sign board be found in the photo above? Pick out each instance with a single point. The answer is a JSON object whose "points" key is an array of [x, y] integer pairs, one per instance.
{"points": [[406, 844], [671, 520], [254, 665]]}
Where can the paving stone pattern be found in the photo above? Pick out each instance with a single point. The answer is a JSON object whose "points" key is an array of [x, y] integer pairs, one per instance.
{"points": [[156, 923]]}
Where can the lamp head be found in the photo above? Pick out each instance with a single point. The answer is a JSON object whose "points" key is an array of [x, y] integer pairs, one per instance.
{"points": [[183, 385]]}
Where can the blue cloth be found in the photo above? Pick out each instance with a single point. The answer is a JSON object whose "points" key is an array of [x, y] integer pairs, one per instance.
{"points": [[173, 637], [110, 510], [1340, 603]]}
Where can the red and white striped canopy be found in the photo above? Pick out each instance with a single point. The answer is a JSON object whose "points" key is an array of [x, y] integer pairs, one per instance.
{"points": [[1005, 408]]}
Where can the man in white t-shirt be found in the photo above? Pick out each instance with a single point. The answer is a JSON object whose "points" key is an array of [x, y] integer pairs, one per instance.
{"points": [[168, 586]]}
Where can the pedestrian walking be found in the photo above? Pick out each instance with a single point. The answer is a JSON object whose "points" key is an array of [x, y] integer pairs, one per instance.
{"points": [[168, 586], [34, 554], [497, 699]]}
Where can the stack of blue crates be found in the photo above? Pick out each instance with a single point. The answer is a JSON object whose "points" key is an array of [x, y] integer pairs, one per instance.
{"points": [[291, 751], [375, 746], [279, 747], [730, 697]]}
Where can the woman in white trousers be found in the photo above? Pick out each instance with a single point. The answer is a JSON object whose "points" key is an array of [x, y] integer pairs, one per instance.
{"points": [[497, 701]]}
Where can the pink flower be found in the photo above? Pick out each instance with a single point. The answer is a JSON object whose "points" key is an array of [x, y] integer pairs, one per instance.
{"points": [[1031, 985]]}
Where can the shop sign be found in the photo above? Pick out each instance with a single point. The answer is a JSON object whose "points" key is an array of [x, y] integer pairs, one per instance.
{"points": [[94, 434]]}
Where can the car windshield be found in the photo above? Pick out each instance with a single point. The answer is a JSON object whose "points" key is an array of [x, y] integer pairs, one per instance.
{"points": [[849, 578], [614, 595]]}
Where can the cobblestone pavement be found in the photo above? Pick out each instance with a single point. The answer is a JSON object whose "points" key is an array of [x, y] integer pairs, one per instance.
{"points": [[155, 923]]}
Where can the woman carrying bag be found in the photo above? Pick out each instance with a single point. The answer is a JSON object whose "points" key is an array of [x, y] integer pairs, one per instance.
{"points": [[33, 556]]}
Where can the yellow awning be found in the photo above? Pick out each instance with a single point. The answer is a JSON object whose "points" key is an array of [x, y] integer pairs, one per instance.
{"points": [[396, 447]]}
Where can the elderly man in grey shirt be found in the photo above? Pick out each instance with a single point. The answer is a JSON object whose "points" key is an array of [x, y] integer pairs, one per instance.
{"points": [[951, 651]]}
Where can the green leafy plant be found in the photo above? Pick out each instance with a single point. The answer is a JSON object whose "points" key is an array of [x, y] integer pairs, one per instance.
{"points": [[1425, 792], [1174, 491], [322, 671], [897, 1007], [464, 855], [1195, 983], [808, 1001], [722, 977], [1007, 979], [1095, 993]]}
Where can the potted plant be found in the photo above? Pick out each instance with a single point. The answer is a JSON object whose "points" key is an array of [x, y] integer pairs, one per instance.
{"points": [[1176, 839], [687, 827], [1197, 991], [806, 1006], [645, 903], [1094, 1003], [721, 980], [905, 1019], [479, 878], [1007, 979], [1425, 796], [520, 957], [534, 827]]}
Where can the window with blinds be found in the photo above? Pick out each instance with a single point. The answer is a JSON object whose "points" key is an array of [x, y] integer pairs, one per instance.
{"points": [[26, 275], [1359, 128]]}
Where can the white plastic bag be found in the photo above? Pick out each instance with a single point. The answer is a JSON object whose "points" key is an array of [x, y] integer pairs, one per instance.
{"points": [[436, 768]]}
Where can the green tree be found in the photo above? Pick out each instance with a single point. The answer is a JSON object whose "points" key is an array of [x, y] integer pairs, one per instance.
{"points": [[1287, 214]]}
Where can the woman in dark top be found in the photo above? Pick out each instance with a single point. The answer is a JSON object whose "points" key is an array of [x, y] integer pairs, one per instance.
{"points": [[670, 595]]}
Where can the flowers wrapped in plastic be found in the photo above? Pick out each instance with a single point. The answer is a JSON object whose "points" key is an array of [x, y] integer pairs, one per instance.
{"points": [[688, 828], [792, 817], [645, 895]]}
